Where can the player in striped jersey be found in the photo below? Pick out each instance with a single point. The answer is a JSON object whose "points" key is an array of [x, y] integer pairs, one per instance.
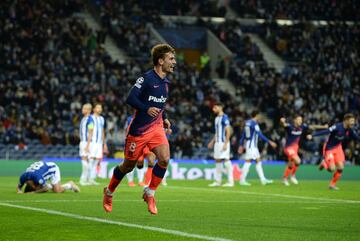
{"points": [[250, 136], [86, 130], [97, 144], [221, 144], [38, 174]]}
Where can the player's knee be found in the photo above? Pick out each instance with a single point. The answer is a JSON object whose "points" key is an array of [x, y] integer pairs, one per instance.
{"points": [[340, 170], [331, 169], [163, 163]]}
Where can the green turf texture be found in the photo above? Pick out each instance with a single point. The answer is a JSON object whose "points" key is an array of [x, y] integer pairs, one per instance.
{"points": [[239, 213]]}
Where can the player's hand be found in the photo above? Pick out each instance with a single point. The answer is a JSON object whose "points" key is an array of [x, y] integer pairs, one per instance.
{"points": [[309, 137], [167, 124], [168, 131], [272, 144], [106, 150], [241, 149], [87, 148], [211, 145], [153, 111], [224, 147]]}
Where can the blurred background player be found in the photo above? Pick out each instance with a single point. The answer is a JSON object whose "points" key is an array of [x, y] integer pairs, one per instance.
{"points": [[86, 131], [97, 146], [250, 136], [221, 144], [148, 97], [334, 157], [36, 176], [294, 132]]}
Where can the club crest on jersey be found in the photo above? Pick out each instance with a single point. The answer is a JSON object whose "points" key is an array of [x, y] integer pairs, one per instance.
{"points": [[162, 99], [139, 82]]}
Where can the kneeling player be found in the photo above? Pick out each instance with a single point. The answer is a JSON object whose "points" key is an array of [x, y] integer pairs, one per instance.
{"points": [[36, 176], [334, 157]]}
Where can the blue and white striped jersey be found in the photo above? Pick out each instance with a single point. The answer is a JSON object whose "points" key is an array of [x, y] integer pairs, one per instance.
{"points": [[99, 125], [221, 122], [39, 172], [84, 124], [251, 134]]}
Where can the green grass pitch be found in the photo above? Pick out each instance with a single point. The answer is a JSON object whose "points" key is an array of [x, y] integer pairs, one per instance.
{"points": [[308, 211]]}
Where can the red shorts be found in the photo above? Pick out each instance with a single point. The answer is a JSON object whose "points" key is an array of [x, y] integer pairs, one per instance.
{"points": [[292, 151], [334, 156], [145, 152], [135, 146]]}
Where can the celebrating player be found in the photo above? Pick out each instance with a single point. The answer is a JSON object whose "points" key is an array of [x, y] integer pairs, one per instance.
{"points": [[251, 135], [293, 134], [97, 144], [334, 157], [86, 130], [36, 176], [148, 97], [221, 144]]}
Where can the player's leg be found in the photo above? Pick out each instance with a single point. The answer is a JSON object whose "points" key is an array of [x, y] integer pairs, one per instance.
{"points": [[84, 163], [339, 159], [245, 170], [230, 175], [95, 157], [130, 178], [140, 172], [260, 172], [289, 152], [151, 162], [218, 173], [56, 185], [296, 163]]}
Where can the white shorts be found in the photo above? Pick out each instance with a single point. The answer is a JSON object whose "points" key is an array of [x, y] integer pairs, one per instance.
{"points": [[82, 151], [56, 177], [96, 150], [252, 153], [219, 153]]}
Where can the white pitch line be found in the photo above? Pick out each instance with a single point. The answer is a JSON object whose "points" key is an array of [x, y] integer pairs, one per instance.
{"points": [[129, 225], [161, 201], [267, 194]]}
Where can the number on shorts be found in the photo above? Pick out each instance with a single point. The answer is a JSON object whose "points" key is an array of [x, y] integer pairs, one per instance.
{"points": [[132, 146], [35, 166]]}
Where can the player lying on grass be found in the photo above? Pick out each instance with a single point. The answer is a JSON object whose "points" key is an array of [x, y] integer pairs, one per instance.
{"points": [[293, 134], [38, 174], [334, 157]]}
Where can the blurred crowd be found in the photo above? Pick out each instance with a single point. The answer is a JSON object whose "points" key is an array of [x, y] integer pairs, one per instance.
{"points": [[51, 63], [348, 10]]}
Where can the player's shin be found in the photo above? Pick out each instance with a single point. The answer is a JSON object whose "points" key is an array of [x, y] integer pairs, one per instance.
{"points": [[84, 173], [115, 179], [287, 172], [218, 172], [158, 174], [336, 177], [245, 171], [229, 169], [148, 174], [260, 171]]}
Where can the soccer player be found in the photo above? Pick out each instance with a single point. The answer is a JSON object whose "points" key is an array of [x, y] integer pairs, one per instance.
{"points": [[148, 97], [221, 144], [293, 134], [38, 173], [250, 136], [97, 145], [334, 157], [86, 130]]}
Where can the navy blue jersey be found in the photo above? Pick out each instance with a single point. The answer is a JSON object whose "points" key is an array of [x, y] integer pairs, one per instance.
{"points": [[39, 173], [294, 133], [337, 134], [149, 91]]}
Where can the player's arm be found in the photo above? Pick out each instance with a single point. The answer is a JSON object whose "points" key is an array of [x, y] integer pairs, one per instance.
{"points": [[322, 132], [242, 139], [316, 127], [283, 122], [227, 137], [166, 121], [264, 138], [354, 135], [90, 126], [105, 148], [211, 143], [41, 189]]}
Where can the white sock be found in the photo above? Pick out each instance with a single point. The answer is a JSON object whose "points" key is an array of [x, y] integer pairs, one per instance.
{"points": [[218, 172], [92, 169], [85, 170], [49, 186], [245, 171], [140, 174], [260, 171], [229, 169], [130, 176], [67, 186]]}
